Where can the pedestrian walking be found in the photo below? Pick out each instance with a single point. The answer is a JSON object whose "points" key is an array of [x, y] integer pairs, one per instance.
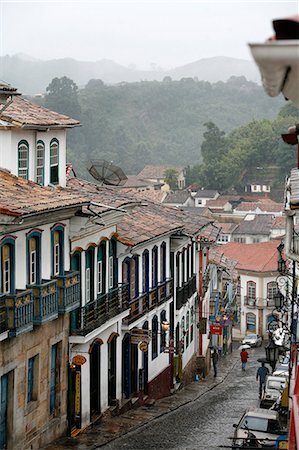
{"points": [[215, 358], [244, 358], [261, 374]]}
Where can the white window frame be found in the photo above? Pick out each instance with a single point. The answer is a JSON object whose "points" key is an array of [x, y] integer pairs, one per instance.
{"points": [[100, 277], [40, 163], [87, 285], [6, 275], [32, 267], [23, 171], [110, 276], [56, 258]]}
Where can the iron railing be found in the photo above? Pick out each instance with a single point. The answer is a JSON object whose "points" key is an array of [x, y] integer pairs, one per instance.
{"points": [[45, 301], [17, 310], [96, 313], [183, 293], [69, 291], [149, 300]]}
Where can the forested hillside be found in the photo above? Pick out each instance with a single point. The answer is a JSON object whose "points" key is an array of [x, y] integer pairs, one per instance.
{"points": [[134, 124]]}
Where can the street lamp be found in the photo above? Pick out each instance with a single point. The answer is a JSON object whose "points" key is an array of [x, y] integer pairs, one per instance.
{"points": [[279, 301], [281, 262], [272, 354], [165, 325]]}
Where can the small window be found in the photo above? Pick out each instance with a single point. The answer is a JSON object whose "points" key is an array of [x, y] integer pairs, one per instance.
{"points": [[54, 162], [23, 159], [32, 379], [111, 261], [251, 289], [56, 253], [40, 162], [87, 285], [6, 271]]}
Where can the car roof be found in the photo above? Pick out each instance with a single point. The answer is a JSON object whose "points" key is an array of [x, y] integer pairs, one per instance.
{"points": [[260, 412], [275, 378]]}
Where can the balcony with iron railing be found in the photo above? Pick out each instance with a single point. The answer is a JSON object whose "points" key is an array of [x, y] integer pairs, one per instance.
{"points": [[45, 301], [16, 312], [69, 291], [149, 300], [96, 313], [183, 293]]}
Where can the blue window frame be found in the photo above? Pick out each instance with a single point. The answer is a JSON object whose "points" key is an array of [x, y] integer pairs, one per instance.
{"points": [[57, 238], [154, 266], [113, 264], [32, 376], [145, 271], [163, 261], [154, 337], [54, 161], [7, 265], [89, 274], [34, 257], [53, 378], [101, 268], [23, 159]]}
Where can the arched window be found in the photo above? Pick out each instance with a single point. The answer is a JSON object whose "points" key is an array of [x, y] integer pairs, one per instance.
{"points": [[155, 267], [250, 322], [145, 271], [154, 337], [7, 279], [184, 260], [23, 159], [163, 262], [251, 289], [183, 333], [57, 235], [89, 274], [34, 257], [101, 268], [188, 261], [112, 266], [178, 269], [40, 162], [272, 289], [163, 333], [54, 161]]}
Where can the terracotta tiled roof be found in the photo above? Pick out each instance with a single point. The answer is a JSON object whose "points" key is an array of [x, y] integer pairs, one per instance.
{"points": [[216, 256], [221, 201], [178, 197], [266, 205], [205, 193], [260, 224], [134, 181], [227, 227], [19, 197], [149, 194], [260, 257], [157, 172], [22, 113], [279, 223]]}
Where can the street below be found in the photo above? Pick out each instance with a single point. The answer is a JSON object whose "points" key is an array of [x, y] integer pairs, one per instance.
{"points": [[205, 423]]}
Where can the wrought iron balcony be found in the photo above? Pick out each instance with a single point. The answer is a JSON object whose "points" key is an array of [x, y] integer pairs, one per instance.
{"points": [[69, 291], [45, 301], [183, 293], [149, 300], [250, 301], [17, 312], [96, 313]]}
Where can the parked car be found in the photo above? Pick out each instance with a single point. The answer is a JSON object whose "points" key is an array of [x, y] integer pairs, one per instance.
{"points": [[273, 389], [254, 340], [263, 423]]}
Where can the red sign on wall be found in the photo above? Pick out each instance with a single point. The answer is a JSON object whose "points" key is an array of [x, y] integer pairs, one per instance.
{"points": [[216, 329]]}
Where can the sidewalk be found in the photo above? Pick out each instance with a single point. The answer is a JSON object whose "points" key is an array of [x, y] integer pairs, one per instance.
{"points": [[110, 428]]}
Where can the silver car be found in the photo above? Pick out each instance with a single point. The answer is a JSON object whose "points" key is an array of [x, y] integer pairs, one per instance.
{"points": [[254, 340], [263, 423]]}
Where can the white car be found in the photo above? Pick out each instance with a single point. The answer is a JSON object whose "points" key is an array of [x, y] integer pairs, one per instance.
{"points": [[273, 389], [254, 340], [263, 423]]}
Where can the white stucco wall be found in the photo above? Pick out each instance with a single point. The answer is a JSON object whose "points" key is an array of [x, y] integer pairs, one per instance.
{"points": [[9, 140]]}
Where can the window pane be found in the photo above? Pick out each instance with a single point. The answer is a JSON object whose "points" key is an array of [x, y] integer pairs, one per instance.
{"points": [[40, 161], [23, 151]]}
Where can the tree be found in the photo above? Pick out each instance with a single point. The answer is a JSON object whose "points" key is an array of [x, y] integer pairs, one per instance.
{"points": [[214, 144], [62, 96], [171, 178]]}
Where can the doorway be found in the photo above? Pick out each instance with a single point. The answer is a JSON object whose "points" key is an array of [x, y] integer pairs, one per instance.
{"points": [[95, 379], [6, 409], [112, 370]]}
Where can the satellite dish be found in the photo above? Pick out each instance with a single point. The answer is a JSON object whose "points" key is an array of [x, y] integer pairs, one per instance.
{"points": [[106, 173]]}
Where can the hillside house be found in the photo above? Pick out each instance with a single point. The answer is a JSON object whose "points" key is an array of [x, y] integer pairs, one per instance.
{"points": [[203, 195], [156, 174]]}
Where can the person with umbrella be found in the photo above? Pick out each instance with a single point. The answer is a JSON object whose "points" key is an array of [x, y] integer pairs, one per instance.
{"points": [[261, 374]]}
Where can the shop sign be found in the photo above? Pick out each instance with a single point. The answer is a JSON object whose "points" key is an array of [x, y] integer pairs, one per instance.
{"points": [[77, 394], [139, 335], [79, 360], [216, 329], [143, 346]]}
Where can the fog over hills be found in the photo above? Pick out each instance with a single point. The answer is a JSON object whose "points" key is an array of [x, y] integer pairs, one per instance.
{"points": [[32, 76]]}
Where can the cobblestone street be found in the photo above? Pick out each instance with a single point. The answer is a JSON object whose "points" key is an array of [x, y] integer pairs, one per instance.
{"points": [[199, 416]]}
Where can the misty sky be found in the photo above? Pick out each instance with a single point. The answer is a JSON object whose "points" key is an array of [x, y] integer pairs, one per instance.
{"points": [[144, 33]]}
